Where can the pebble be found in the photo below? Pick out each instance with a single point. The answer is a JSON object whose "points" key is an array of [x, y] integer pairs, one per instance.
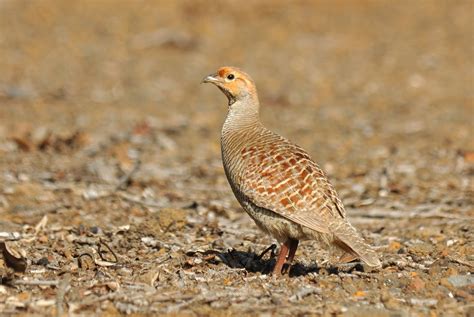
{"points": [[461, 280], [43, 261], [429, 302], [150, 242]]}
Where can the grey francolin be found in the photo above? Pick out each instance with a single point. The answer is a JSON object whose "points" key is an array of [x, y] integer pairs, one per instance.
{"points": [[277, 183]]}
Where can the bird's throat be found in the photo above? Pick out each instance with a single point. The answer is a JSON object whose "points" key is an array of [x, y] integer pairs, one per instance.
{"points": [[229, 96]]}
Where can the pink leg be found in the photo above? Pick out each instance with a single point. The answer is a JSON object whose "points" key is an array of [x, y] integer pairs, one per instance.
{"points": [[281, 259], [292, 246]]}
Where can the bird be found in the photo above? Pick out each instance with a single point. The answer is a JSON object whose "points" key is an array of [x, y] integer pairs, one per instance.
{"points": [[277, 183]]}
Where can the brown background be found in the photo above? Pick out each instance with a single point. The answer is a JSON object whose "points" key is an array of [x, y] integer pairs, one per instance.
{"points": [[379, 92]]}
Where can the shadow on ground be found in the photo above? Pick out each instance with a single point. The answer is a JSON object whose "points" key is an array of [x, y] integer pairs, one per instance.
{"points": [[255, 263]]}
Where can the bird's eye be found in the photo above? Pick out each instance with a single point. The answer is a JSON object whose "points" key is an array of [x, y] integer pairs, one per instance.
{"points": [[230, 76]]}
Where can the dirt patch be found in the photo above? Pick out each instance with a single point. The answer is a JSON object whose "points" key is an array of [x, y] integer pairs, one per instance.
{"points": [[113, 199]]}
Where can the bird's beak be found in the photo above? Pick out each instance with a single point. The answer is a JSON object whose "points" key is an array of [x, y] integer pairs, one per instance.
{"points": [[210, 79]]}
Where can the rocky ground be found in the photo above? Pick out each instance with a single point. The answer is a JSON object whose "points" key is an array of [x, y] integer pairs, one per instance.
{"points": [[113, 199]]}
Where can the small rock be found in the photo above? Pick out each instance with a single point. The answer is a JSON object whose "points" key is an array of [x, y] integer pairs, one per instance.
{"points": [[372, 311], [429, 302], [389, 301], [149, 277], [151, 242], [113, 286], [95, 230], [421, 249], [394, 246], [125, 271], [305, 291], [461, 280], [43, 261], [416, 284]]}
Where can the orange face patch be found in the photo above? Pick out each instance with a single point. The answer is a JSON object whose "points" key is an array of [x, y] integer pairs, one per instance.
{"points": [[222, 72]]}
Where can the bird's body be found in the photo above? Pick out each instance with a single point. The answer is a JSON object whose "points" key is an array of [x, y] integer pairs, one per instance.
{"points": [[277, 183], [248, 156]]}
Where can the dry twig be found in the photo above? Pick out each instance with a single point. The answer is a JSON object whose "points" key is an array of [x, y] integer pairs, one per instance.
{"points": [[63, 287], [35, 282], [138, 201], [400, 214], [461, 261]]}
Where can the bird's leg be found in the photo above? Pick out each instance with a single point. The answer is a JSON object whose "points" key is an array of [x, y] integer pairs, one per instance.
{"points": [[292, 245], [281, 259], [270, 248]]}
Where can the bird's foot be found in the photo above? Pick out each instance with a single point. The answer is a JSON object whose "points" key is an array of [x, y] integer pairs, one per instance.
{"points": [[286, 268], [271, 248]]}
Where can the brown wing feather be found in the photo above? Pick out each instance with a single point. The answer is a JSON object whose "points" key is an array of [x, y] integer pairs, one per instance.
{"points": [[281, 177]]}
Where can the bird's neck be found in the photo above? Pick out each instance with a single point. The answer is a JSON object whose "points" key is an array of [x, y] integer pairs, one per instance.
{"points": [[241, 128], [242, 114]]}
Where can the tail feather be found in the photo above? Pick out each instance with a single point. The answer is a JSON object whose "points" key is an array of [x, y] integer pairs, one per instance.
{"points": [[347, 257], [348, 236]]}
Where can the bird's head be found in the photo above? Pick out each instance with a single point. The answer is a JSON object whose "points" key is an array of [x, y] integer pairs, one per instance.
{"points": [[234, 83]]}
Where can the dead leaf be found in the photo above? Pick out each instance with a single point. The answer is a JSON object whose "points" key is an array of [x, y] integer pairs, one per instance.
{"points": [[13, 257]]}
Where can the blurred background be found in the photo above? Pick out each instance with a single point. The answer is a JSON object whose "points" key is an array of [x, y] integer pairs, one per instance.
{"points": [[360, 84], [380, 93]]}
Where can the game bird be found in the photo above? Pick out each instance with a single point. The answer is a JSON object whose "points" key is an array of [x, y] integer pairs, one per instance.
{"points": [[277, 183]]}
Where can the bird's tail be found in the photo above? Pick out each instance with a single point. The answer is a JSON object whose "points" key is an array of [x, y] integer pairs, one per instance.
{"points": [[348, 239]]}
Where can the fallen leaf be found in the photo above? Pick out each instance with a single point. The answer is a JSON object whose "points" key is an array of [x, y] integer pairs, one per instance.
{"points": [[13, 257], [359, 294]]}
